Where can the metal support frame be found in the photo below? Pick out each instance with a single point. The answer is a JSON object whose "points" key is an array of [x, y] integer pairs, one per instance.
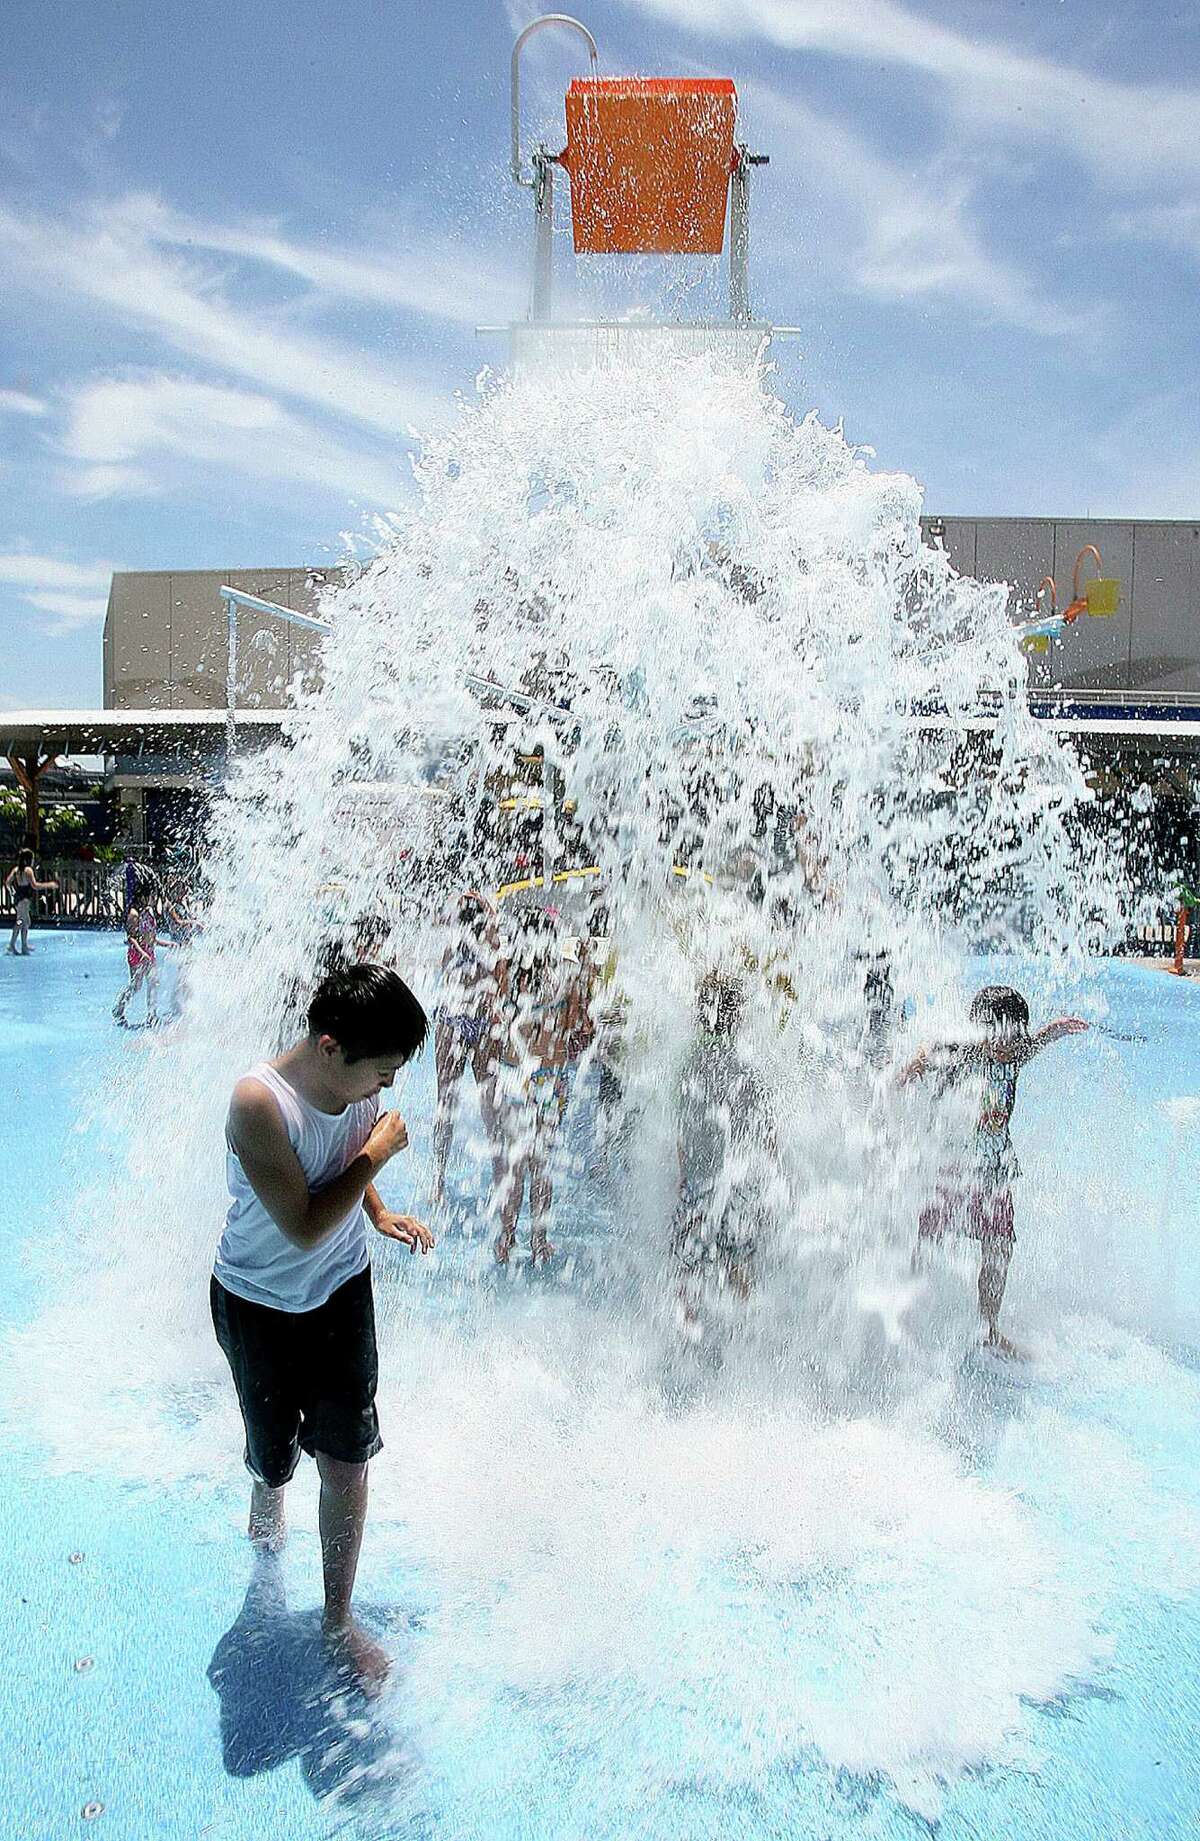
{"points": [[234, 598], [542, 296], [542, 163], [739, 233]]}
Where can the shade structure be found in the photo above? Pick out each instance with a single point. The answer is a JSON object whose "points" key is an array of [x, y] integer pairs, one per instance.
{"points": [[649, 160]]}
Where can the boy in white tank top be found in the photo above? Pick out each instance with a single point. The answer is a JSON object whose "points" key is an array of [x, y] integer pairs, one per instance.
{"points": [[291, 1288]]}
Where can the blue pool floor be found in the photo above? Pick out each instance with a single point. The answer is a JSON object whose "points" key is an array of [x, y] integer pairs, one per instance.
{"points": [[159, 1688]]}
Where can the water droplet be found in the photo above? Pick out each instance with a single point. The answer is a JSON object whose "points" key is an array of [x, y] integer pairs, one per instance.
{"points": [[76, 1558], [84, 1664], [90, 1811]]}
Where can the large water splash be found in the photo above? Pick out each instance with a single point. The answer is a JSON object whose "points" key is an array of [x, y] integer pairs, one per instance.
{"points": [[744, 682]]}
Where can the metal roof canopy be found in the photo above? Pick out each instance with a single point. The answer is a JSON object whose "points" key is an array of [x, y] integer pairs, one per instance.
{"points": [[128, 731], [125, 731]]}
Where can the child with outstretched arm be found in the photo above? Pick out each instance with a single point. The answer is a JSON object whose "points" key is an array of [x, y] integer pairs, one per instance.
{"points": [[291, 1289], [974, 1194]]}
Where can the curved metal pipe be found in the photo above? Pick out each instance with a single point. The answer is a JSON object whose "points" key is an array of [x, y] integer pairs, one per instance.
{"points": [[547, 19]]}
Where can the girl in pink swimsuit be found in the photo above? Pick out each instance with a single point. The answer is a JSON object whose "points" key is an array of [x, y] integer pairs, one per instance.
{"points": [[141, 942]]}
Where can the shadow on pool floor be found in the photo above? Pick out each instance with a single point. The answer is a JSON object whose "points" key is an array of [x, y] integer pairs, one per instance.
{"points": [[282, 1696]]}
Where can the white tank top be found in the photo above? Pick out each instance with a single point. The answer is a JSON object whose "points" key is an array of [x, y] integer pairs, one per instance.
{"points": [[255, 1258]]}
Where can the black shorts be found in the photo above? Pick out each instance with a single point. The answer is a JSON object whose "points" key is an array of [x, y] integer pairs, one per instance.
{"points": [[305, 1379]]}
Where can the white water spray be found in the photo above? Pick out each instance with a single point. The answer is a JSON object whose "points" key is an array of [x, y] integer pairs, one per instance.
{"points": [[737, 660]]}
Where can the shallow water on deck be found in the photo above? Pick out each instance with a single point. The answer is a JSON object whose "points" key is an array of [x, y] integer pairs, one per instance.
{"points": [[995, 1627]]}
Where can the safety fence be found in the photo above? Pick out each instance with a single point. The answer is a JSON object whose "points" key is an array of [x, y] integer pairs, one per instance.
{"points": [[1156, 939], [88, 895], [93, 895]]}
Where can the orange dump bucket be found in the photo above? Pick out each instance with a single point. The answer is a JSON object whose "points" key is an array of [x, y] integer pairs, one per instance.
{"points": [[650, 159]]}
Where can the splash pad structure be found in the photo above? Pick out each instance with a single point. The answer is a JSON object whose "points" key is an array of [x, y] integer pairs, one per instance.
{"points": [[652, 164], [646, 637]]}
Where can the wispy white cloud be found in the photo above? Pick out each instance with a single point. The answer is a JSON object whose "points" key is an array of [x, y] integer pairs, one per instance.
{"points": [[73, 595], [21, 403], [110, 259], [70, 611], [1176, 225], [26, 569], [1129, 134], [133, 435], [430, 277], [897, 235], [108, 117]]}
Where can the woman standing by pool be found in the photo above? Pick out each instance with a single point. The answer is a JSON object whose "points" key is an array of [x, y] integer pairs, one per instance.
{"points": [[22, 884]]}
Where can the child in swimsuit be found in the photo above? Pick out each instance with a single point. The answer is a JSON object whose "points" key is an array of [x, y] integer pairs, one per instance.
{"points": [[467, 1027], [548, 1014], [141, 949], [728, 1157], [974, 1194]]}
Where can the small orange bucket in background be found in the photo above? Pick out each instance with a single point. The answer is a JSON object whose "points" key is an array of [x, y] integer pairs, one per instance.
{"points": [[649, 160]]}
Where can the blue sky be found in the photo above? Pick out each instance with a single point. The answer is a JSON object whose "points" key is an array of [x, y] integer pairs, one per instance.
{"points": [[244, 249]]}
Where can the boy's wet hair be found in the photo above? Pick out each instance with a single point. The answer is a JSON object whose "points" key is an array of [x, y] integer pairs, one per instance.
{"points": [[1001, 1007], [24, 859], [368, 1010]]}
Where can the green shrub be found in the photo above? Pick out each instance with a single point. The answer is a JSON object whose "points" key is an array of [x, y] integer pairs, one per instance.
{"points": [[63, 823], [12, 808]]}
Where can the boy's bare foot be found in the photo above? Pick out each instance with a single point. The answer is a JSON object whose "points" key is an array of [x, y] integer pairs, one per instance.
{"points": [[1000, 1345], [540, 1249], [267, 1529], [504, 1246], [360, 1652]]}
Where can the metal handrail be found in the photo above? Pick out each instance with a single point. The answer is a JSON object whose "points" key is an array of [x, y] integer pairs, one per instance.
{"points": [[547, 19], [258, 606], [233, 599]]}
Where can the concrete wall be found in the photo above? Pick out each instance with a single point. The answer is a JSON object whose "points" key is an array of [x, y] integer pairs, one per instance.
{"points": [[165, 638], [1152, 642], [165, 635]]}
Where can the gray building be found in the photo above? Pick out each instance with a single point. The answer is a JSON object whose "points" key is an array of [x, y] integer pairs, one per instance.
{"points": [[166, 637], [166, 649], [1126, 686], [1149, 647]]}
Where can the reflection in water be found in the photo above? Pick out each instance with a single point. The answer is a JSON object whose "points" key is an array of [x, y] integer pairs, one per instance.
{"points": [[284, 1696]]}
